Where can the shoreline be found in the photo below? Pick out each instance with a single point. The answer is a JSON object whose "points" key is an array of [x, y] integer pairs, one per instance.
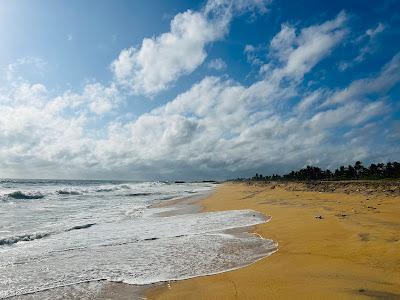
{"points": [[105, 289], [190, 204], [351, 252], [182, 205]]}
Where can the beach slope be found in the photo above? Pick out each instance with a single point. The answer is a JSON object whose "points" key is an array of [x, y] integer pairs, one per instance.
{"points": [[332, 245]]}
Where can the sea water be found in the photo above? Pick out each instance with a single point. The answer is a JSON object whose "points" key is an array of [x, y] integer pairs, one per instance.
{"points": [[58, 233]]}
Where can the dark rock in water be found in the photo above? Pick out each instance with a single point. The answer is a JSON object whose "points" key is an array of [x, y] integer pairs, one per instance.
{"points": [[179, 181], [104, 190], [151, 239], [21, 195], [62, 192], [81, 226], [137, 194]]}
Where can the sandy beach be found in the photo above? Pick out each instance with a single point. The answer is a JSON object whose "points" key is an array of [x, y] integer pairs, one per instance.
{"points": [[203, 149], [332, 245]]}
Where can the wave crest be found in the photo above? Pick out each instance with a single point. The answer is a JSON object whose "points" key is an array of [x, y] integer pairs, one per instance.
{"points": [[113, 188], [23, 238], [8, 241]]}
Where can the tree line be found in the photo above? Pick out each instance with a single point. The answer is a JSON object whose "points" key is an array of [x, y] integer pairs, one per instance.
{"points": [[390, 170]]}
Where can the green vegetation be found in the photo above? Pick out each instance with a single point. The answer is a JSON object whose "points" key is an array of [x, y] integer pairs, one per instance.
{"points": [[390, 170]]}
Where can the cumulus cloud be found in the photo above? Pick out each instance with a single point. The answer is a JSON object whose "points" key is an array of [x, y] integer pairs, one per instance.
{"points": [[94, 98], [222, 125], [298, 52], [159, 61], [34, 135], [101, 98], [217, 128]]}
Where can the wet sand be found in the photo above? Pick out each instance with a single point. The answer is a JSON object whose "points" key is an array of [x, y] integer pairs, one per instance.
{"points": [[332, 245]]}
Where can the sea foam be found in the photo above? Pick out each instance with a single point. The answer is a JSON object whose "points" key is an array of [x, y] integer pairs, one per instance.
{"points": [[106, 236]]}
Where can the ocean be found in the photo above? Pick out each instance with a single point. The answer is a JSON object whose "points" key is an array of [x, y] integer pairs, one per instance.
{"points": [[60, 233]]}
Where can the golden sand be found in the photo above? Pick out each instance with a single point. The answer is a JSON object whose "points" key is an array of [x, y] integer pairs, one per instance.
{"points": [[353, 252]]}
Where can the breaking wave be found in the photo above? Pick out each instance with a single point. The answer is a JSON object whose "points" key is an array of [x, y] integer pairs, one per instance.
{"points": [[114, 188], [8, 241], [23, 238]]}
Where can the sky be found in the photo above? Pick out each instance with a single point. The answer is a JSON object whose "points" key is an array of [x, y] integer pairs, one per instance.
{"points": [[217, 89]]}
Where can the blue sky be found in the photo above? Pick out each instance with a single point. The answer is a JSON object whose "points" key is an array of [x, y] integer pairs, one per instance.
{"points": [[196, 89]]}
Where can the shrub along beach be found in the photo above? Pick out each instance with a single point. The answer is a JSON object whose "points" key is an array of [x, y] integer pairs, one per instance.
{"points": [[388, 171]]}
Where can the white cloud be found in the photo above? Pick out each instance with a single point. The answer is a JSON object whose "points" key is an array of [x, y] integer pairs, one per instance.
{"points": [[353, 113], [101, 99], [35, 136], [159, 61], [368, 48], [253, 54], [282, 45], [298, 53], [217, 64], [385, 80], [310, 100], [24, 67], [95, 97], [217, 128], [372, 33]]}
